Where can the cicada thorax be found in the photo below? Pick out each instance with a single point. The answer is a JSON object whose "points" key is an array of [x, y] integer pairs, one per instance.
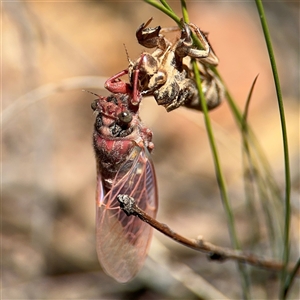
{"points": [[115, 130]]}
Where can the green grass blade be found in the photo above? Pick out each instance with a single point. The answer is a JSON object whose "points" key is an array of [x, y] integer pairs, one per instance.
{"points": [[166, 5], [245, 114], [185, 15], [290, 278], [221, 183], [285, 146], [257, 188], [219, 175], [165, 8], [249, 170]]}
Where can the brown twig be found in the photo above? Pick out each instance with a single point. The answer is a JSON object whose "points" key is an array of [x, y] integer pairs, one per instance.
{"points": [[214, 252]]}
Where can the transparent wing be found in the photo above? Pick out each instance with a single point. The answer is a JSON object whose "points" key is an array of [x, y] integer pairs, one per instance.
{"points": [[123, 241]]}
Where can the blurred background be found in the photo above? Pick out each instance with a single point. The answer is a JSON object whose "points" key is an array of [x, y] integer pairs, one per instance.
{"points": [[51, 52]]}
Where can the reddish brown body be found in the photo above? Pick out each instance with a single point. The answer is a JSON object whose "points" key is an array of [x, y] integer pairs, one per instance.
{"points": [[122, 145]]}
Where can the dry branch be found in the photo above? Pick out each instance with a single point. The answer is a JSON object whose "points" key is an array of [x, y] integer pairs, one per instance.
{"points": [[214, 252]]}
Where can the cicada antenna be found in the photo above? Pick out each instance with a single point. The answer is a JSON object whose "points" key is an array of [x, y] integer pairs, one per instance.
{"points": [[91, 93], [94, 104], [127, 55]]}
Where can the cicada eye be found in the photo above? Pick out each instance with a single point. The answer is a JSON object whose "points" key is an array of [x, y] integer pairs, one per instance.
{"points": [[149, 64], [160, 78], [94, 104], [125, 117]]}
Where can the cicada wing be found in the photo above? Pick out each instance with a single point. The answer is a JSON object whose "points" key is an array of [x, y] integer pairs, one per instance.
{"points": [[123, 241]]}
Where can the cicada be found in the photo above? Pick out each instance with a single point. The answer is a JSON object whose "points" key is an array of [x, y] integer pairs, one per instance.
{"points": [[122, 147]]}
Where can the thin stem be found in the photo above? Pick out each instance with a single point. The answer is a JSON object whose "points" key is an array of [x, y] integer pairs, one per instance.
{"points": [[218, 169], [166, 5], [165, 9], [246, 111], [290, 278], [185, 15], [217, 253], [221, 180], [286, 249]]}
